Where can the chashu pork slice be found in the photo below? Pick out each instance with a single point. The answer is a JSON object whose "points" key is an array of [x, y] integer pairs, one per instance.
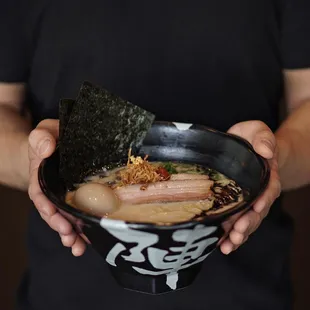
{"points": [[165, 191], [188, 176]]}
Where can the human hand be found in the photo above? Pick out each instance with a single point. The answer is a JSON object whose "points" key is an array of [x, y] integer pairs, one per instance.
{"points": [[264, 143], [42, 144]]}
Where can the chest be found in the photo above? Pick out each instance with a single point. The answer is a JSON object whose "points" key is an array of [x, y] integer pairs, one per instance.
{"points": [[219, 30], [160, 54]]}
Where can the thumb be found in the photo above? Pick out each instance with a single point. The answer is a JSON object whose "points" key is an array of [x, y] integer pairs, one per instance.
{"points": [[42, 140], [41, 144], [265, 144], [258, 134]]}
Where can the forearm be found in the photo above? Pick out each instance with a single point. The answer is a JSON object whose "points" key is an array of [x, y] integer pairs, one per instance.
{"points": [[14, 163], [293, 138]]}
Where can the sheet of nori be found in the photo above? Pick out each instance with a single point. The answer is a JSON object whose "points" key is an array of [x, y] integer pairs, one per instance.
{"points": [[65, 108], [101, 129]]}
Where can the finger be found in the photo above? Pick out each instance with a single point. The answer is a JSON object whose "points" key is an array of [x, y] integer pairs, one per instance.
{"points": [[264, 143], [42, 144], [44, 206], [58, 223], [51, 125], [68, 240], [243, 242], [248, 129], [236, 238], [271, 193], [77, 223], [39, 199], [250, 222], [68, 216], [227, 247], [247, 222], [78, 247], [34, 187]]}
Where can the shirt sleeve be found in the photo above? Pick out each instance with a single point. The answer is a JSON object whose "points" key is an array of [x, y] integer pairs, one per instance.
{"points": [[296, 34]]}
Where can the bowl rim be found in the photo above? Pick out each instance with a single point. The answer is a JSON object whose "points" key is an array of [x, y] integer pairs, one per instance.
{"points": [[209, 219]]}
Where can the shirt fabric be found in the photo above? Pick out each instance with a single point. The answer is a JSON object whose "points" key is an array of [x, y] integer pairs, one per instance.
{"points": [[206, 62]]}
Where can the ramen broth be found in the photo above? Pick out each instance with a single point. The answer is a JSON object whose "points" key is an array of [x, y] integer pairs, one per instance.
{"points": [[155, 192]]}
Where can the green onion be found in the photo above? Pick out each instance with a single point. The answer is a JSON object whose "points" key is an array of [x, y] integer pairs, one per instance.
{"points": [[170, 168]]}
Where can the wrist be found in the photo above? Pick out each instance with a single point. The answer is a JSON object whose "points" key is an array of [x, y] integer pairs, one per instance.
{"points": [[283, 151], [285, 157]]}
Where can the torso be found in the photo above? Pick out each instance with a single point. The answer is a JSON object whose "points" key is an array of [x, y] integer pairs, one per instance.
{"points": [[207, 62]]}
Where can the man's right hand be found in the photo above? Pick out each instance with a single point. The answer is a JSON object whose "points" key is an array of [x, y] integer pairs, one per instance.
{"points": [[42, 144]]}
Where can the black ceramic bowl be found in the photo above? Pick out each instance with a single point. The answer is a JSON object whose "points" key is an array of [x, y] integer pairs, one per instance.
{"points": [[159, 259]]}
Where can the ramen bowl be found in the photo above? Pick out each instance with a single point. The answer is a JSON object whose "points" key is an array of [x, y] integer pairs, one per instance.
{"points": [[156, 259]]}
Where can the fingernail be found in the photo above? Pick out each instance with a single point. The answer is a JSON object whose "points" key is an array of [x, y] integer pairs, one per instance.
{"points": [[228, 249], [228, 252], [43, 146]]}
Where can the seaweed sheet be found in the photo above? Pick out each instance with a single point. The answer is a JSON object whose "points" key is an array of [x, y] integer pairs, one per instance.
{"points": [[65, 108], [100, 129]]}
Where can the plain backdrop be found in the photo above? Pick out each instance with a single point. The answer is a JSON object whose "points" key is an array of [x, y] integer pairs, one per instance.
{"points": [[14, 210]]}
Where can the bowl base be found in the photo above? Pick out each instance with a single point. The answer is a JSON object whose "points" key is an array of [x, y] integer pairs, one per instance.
{"points": [[155, 285]]}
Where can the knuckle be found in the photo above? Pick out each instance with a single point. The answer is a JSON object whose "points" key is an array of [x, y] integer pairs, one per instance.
{"points": [[236, 238], [245, 224]]}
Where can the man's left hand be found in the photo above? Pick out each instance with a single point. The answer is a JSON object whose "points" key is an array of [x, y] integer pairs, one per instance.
{"points": [[264, 143]]}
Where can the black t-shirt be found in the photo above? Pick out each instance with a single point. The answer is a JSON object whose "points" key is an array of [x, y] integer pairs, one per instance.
{"points": [[202, 61]]}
